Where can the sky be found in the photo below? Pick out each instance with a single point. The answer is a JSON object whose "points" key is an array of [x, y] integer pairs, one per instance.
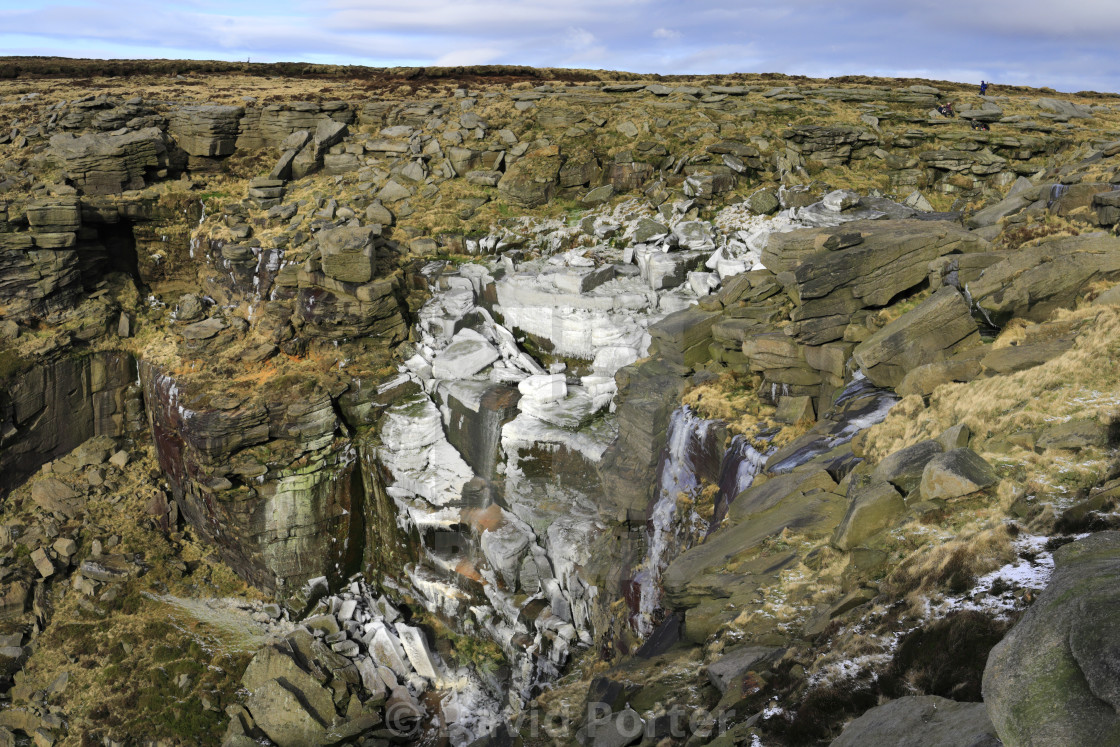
{"points": [[1069, 45]]}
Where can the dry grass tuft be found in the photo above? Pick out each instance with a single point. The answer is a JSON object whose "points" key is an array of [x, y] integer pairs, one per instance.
{"points": [[1081, 383], [949, 566]]}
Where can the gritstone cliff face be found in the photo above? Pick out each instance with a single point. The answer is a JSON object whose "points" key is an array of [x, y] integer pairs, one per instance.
{"points": [[397, 406]]}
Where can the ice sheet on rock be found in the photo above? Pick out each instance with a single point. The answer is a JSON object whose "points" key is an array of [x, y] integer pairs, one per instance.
{"points": [[543, 388], [435, 594], [571, 412], [601, 388], [568, 541], [417, 453], [608, 360], [417, 513], [616, 312], [437, 317], [478, 275], [504, 547], [386, 649], [471, 712], [468, 353], [419, 655], [726, 268], [694, 235], [703, 283]]}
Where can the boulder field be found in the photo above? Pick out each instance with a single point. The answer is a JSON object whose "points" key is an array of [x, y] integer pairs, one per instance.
{"points": [[556, 407]]}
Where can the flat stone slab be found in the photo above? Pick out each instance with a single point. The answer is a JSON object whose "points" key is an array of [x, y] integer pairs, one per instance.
{"points": [[464, 357]]}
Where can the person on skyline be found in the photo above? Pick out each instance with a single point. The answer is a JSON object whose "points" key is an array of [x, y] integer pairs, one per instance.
{"points": [[983, 87]]}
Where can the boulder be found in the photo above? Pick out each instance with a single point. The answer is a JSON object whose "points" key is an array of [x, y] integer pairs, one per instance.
{"points": [[992, 214], [1067, 109], [54, 496], [394, 191], [921, 721], [203, 330], [935, 330], [648, 228], [739, 660], [764, 202], [206, 131], [1074, 435], [279, 711], [955, 473], [890, 258], [1055, 678], [348, 253], [873, 505], [905, 467], [614, 730]]}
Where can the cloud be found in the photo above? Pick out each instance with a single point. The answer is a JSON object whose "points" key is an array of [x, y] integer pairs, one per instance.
{"points": [[481, 56], [578, 38], [1068, 47]]}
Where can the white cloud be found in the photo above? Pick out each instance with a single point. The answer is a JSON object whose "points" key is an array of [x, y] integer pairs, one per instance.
{"points": [[1069, 47], [578, 38], [480, 56]]}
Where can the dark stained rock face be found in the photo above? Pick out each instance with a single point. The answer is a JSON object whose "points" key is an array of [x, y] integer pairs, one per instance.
{"points": [[49, 408], [271, 484]]}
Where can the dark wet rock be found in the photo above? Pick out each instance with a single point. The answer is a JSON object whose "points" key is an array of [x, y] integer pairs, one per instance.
{"points": [[1053, 678], [477, 416], [280, 515], [55, 405], [648, 393], [921, 721]]}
